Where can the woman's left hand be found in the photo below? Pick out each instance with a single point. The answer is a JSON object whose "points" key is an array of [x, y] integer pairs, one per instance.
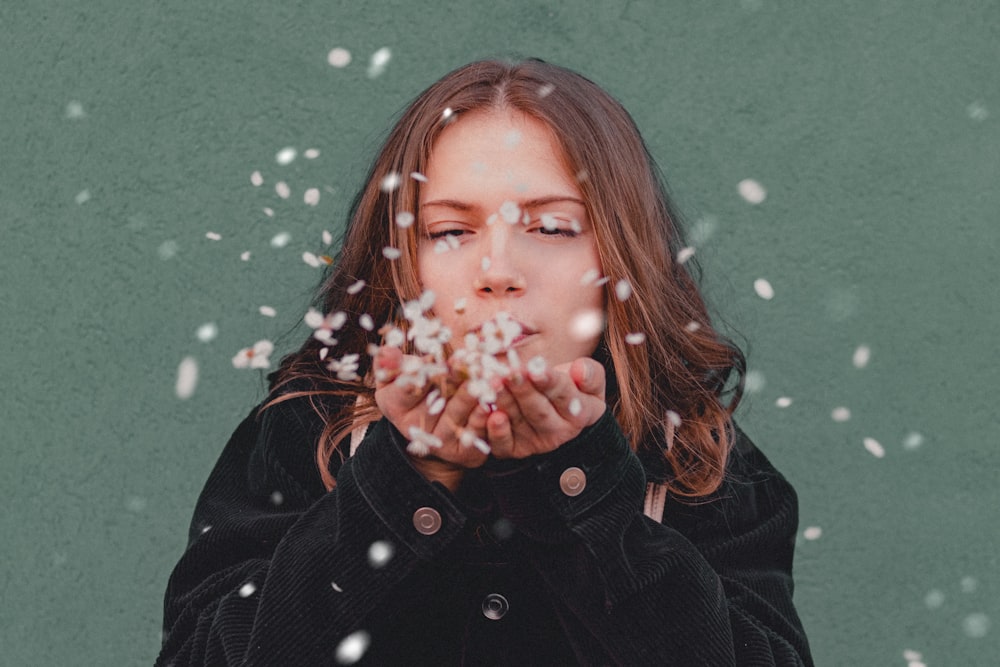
{"points": [[538, 413]]}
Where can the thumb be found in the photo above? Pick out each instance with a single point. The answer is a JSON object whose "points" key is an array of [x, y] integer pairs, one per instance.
{"points": [[588, 375]]}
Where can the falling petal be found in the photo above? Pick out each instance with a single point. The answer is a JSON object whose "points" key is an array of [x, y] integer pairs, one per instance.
{"points": [[187, 378], [752, 191], [339, 57], [545, 89], [874, 448], [311, 154], [913, 440], [268, 211], [207, 332], [977, 111], [912, 655], [213, 236], [356, 287], [327, 237], [391, 253], [685, 254], [589, 277], [586, 324], [861, 356], [167, 249], [460, 305], [281, 240], [812, 533], [83, 196], [575, 407], [840, 414], [282, 189], [310, 259], [763, 289], [245, 255], [311, 196], [268, 311], [783, 402], [754, 381], [976, 625], [75, 110], [277, 498], [934, 599], [485, 263], [404, 219], [635, 338], [247, 589], [366, 322], [379, 553], [703, 229], [378, 62], [692, 326], [256, 179], [969, 584], [417, 176], [352, 647], [674, 418], [447, 114], [536, 366], [623, 290], [286, 155], [333, 584], [390, 182]]}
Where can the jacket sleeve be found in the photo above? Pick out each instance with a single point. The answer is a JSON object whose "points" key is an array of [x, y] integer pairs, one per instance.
{"points": [[277, 570], [710, 585]]}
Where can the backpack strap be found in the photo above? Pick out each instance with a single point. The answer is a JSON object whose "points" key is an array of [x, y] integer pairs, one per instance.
{"points": [[656, 494]]}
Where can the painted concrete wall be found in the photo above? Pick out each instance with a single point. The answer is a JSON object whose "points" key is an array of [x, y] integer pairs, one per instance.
{"points": [[129, 133]]}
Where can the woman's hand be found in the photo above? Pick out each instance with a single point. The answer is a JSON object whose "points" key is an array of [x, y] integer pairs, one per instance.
{"points": [[537, 413], [457, 425]]}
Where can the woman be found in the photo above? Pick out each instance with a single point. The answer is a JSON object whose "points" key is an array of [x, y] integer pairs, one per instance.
{"points": [[532, 461]]}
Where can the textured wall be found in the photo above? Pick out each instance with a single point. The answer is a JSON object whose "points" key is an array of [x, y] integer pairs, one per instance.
{"points": [[129, 131]]}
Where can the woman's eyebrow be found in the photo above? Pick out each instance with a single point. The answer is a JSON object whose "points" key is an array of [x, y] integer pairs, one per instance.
{"points": [[535, 202]]}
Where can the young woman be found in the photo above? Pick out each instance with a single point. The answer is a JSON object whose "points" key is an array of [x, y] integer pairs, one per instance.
{"points": [[508, 440]]}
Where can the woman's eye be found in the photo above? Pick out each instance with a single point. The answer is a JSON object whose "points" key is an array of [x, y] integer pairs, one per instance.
{"points": [[552, 226], [441, 233]]}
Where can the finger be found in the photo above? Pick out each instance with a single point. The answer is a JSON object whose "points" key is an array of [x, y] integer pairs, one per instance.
{"points": [[387, 362], [500, 435], [588, 375]]}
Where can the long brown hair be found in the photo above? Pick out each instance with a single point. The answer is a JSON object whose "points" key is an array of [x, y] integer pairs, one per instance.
{"points": [[667, 393]]}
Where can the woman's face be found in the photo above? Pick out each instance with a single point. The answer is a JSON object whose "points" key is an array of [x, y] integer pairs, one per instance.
{"points": [[503, 227]]}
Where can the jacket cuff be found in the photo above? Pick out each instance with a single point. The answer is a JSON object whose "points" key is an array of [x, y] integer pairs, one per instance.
{"points": [[552, 489], [422, 515]]}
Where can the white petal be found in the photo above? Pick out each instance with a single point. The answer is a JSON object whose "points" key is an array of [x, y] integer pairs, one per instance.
{"points": [[589, 276], [311, 259], [281, 240], [352, 647], [623, 289], [752, 191], [311, 154], [378, 62], [207, 332], [404, 219], [327, 237], [311, 196], [685, 254], [366, 322], [314, 318], [256, 179], [282, 189], [636, 338], [391, 253], [213, 236], [840, 414], [245, 256], [510, 212], [861, 356], [286, 155], [187, 378], [586, 324], [460, 305], [356, 287], [783, 402], [874, 447], [674, 418], [812, 533], [339, 57], [247, 589], [417, 176], [763, 289], [268, 311], [575, 407]]}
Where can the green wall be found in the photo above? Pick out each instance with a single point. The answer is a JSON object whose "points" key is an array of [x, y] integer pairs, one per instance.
{"points": [[129, 130]]}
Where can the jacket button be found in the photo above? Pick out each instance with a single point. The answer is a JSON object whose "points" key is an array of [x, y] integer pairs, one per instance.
{"points": [[495, 606], [427, 521], [572, 481]]}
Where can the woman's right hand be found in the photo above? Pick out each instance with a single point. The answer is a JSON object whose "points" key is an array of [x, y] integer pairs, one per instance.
{"points": [[406, 406]]}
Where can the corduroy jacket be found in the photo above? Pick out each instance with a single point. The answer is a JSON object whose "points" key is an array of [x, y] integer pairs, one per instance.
{"points": [[521, 566]]}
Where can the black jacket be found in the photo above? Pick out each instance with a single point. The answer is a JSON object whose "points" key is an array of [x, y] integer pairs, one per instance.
{"points": [[510, 570]]}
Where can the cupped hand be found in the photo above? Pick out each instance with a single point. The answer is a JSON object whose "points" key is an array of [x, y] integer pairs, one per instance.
{"points": [[445, 441], [539, 412]]}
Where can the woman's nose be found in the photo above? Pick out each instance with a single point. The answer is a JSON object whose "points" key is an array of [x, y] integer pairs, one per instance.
{"points": [[500, 269]]}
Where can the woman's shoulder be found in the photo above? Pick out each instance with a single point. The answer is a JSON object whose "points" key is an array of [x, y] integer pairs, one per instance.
{"points": [[289, 425]]}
